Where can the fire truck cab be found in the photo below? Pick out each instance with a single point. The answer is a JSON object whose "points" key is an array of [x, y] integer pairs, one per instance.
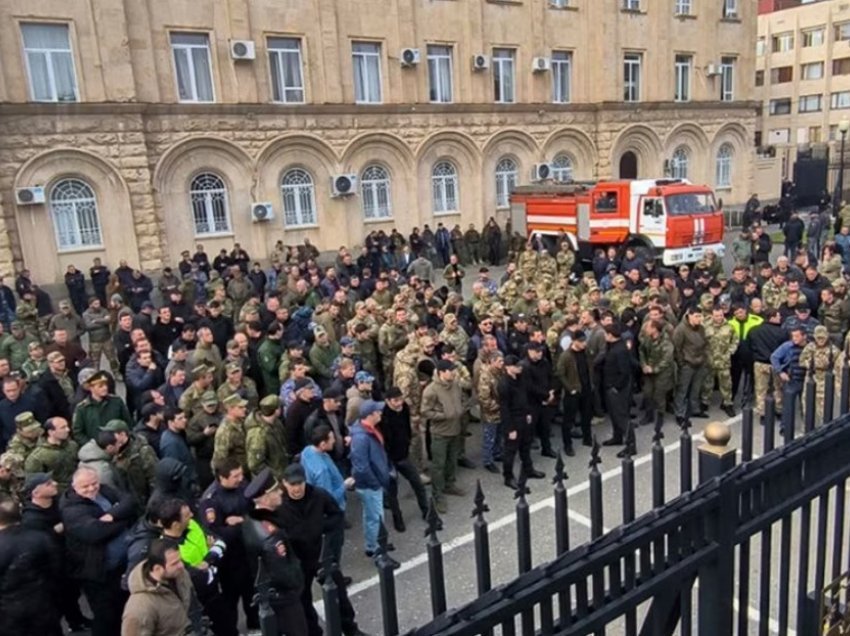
{"points": [[669, 219]]}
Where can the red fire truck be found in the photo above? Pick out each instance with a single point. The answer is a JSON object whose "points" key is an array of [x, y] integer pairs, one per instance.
{"points": [[670, 219]]}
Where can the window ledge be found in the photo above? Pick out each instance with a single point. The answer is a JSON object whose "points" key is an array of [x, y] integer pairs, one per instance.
{"points": [[387, 219], [311, 226], [723, 188], [731, 20], [448, 213], [633, 11], [79, 250], [214, 235], [569, 7], [519, 2], [685, 16]]}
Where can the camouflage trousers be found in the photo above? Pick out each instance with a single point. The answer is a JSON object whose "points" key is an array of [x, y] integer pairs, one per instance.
{"points": [[656, 388], [723, 376], [762, 372], [820, 397], [418, 450], [98, 349]]}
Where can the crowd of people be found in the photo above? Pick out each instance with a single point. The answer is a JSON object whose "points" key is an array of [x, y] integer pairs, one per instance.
{"points": [[240, 408]]}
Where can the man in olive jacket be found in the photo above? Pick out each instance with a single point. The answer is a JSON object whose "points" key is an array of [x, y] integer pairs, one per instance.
{"points": [[98, 409]]}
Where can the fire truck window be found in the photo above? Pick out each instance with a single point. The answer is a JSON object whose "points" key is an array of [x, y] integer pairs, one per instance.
{"points": [[697, 203], [607, 202], [653, 207]]}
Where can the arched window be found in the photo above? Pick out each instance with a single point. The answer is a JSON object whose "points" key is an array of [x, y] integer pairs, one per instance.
{"points": [[723, 166], [444, 187], [74, 211], [210, 210], [562, 168], [506, 174], [299, 198], [679, 163], [375, 193]]}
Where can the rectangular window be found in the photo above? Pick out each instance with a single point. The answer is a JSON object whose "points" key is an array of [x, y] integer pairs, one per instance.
{"points": [[781, 74], [841, 66], [50, 62], [631, 77], [759, 78], [815, 134], [812, 71], [840, 100], [810, 104], [730, 9], [782, 42], [631, 5], [813, 37], [833, 132], [760, 46], [561, 76], [366, 59], [683, 7], [503, 76], [842, 31], [285, 65], [440, 73], [559, 4], [683, 68], [192, 67], [780, 106], [727, 79]]}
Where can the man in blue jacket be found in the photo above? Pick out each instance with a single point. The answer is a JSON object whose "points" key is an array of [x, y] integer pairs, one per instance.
{"points": [[370, 469]]}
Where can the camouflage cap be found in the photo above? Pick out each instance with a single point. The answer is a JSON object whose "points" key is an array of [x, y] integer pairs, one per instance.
{"points": [[233, 366], [200, 370], [558, 316], [426, 341], [234, 400], [55, 356], [116, 426], [839, 282], [450, 319], [821, 332], [34, 345], [619, 278], [706, 299], [26, 420], [269, 404], [209, 398]]}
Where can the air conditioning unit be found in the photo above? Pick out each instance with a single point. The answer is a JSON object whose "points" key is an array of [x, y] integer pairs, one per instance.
{"points": [[262, 212], [242, 50], [541, 172], [29, 196], [409, 57], [712, 69], [540, 64], [480, 62], [343, 185]]}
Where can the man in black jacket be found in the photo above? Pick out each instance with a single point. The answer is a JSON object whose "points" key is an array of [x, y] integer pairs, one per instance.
{"points": [[306, 514], [617, 373], [539, 380], [18, 398], [58, 386], [763, 340], [517, 423], [396, 429], [29, 568], [793, 231], [96, 519]]}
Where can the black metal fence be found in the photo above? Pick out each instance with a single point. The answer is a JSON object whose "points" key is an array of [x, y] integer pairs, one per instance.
{"points": [[705, 560]]}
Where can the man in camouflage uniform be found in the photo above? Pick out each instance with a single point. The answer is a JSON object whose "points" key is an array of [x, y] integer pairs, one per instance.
{"points": [[294, 353], [819, 356], [367, 347], [97, 321], [774, 292], [722, 342], [565, 259], [487, 393], [35, 364], [617, 295], [135, 460], [200, 435], [382, 295], [527, 304], [412, 371], [658, 363], [510, 290], [239, 289], [546, 264], [230, 438], [392, 338], [27, 434], [834, 315], [454, 335], [472, 238], [482, 301], [237, 383], [527, 263], [190, 400], [265, 442], [26, 315], [56, 453], [11, 475], [16, 348]]}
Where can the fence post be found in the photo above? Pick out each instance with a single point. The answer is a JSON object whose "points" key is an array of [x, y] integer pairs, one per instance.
{"points": [[717, 579], [658, 463], [562, 529], [829, 388], [436, 573], [523, 545], [330, 592], [686, 459], [386, 579], [596, 517], [844, 400]]}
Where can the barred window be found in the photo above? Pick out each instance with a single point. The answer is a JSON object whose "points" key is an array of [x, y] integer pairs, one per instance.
{"points": [[506, 176], [210, 211], [679, 163], [299, 198], [562, 168], [444, 186], [375, 193], [74, 210], [723, 176]]}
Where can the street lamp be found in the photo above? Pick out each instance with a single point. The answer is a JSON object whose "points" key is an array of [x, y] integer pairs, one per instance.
{"points": [[843, 127]]}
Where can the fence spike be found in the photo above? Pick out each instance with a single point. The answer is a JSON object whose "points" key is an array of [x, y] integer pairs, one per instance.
{"points": [[433, 520], [480, 506], [560, 473], [521, 487], [594, 454], [659, 425]]}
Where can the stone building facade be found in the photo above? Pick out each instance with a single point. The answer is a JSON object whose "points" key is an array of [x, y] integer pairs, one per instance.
{"points": [[157, 139]]}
